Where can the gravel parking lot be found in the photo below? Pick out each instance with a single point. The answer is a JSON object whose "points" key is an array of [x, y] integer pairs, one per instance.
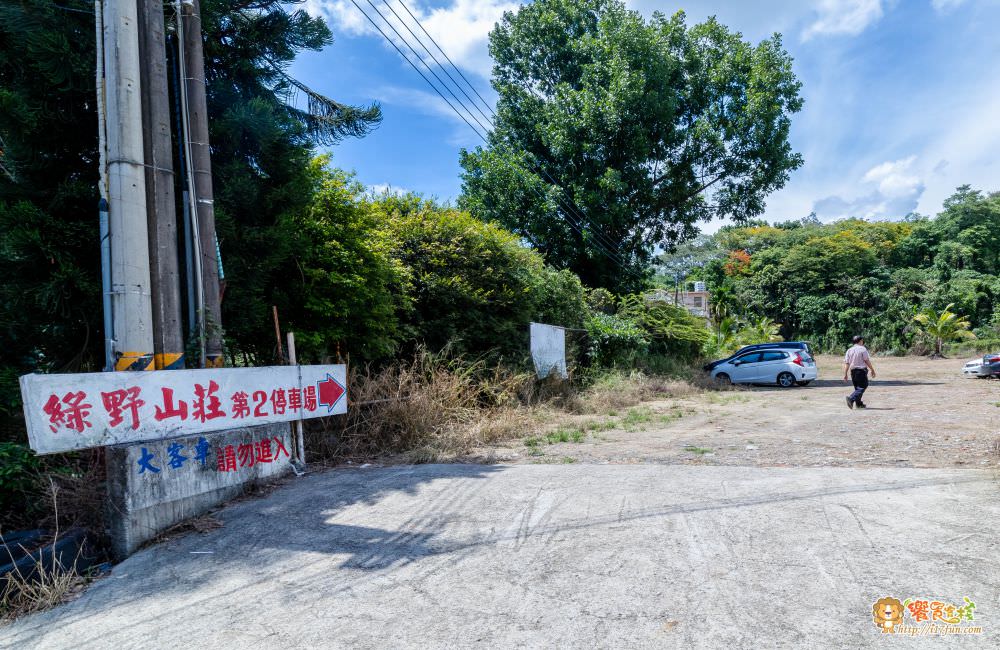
{"points": [[922, 413]]}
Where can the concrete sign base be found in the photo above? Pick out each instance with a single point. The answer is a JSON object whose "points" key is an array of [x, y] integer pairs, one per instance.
{"points": [[154, 485]]}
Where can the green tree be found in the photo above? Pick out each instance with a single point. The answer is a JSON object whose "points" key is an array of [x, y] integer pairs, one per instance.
{"points": [[943, 326], [970, 227], [473, 285], [670, 328], [262, 145], [761, 330], [347, 291], [50, 315], [263, 124], [614, 133]]}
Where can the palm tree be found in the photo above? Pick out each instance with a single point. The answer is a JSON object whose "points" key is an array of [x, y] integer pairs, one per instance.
{"points": [[722, 302], [944, 325], [762, 330], [725, 337]]}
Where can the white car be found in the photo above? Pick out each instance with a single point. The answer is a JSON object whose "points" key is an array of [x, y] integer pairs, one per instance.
{"points": [[785, 368], [975, 369]]}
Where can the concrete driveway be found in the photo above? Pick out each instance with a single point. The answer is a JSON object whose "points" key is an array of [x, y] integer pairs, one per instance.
{"points": [[579, 555]]}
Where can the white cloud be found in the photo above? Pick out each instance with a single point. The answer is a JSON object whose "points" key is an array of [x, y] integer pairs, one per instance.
{"points": [[381, 189], [461, 29], [426, 102], [850, 17], [897, 188], [966, 137], [895, 179], [430, 103]]}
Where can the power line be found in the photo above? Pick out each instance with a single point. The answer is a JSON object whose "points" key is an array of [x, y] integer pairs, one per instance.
{"points": [[419, 71], [434, 58], [457, 69], [429, 68], [593, 228], [601, 240], [431, 84]]}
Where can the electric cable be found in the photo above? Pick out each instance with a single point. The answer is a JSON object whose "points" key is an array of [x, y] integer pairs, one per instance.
{"points": [[585, 229], [597, 232]]}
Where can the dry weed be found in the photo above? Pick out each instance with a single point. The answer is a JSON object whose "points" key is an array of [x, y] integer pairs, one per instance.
{"points": [[617, 391], [437, 407], [81, 492], [201, 524], [45, 585], [431, 407]]}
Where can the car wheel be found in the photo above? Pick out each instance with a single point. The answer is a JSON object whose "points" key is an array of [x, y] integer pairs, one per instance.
{"points": [[805, 383], [786, 380], [724, 379]]}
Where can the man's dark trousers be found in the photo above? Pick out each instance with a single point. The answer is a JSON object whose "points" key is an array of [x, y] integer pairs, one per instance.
{"points": [[859, 377]]}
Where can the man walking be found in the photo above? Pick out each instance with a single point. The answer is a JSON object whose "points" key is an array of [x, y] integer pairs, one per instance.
{"points": [[857, 363]]}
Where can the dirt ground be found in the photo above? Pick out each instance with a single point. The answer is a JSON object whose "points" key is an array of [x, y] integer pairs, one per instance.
{"points": [[922, 413]]}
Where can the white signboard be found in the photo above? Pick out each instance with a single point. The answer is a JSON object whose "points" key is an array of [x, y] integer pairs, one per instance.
{"points": [[66, 412], [548, 350]]}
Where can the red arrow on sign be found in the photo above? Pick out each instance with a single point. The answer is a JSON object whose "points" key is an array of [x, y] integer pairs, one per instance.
{"points": [[330, 392]]}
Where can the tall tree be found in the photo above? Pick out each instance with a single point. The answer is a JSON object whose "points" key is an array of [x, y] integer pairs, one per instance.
{"points": [[264, 124], [49, 244], [615, 136]]}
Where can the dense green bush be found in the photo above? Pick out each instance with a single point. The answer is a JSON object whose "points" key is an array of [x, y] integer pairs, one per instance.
{"points": [[347, 288], [473, 284], [615, 341], [643, 330], [18, 475]]}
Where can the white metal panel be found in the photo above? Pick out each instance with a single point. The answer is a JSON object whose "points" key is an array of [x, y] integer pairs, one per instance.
{"points": [[548, 350]]}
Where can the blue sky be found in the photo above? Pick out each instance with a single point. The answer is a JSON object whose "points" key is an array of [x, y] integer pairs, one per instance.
{"points": [[902, 96]]}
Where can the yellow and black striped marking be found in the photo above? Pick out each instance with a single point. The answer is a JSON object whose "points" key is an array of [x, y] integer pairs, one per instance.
{"points": [[213, 361], [169, 360], [133, 361]]}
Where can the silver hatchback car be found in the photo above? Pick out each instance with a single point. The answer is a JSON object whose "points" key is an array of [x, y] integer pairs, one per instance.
{"points": [[785, 368]]}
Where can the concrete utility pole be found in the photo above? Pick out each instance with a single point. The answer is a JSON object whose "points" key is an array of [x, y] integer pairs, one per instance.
{"points": [[131, 301], [168, 336], [201, 160]]}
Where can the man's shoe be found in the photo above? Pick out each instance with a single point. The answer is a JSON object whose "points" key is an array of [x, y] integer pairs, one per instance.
{"points": [[850, 402], [861, 405]]}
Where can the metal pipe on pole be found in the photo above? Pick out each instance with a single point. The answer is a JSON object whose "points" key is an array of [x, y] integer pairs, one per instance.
{"points": [[297, 425], [190, 200], [201, 162], [174, 54], [130, 293], [102, 207], [168, 331]]}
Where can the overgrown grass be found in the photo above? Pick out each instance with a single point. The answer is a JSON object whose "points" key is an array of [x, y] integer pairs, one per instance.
{"points": [[612, 392], [429, 407], [45, 585], [437, 407]]}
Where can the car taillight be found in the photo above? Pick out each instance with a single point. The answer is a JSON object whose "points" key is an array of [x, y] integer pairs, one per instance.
{"points": [[798, 360]]}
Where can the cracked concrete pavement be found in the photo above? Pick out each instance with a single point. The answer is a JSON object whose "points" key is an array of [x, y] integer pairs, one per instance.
{"points": [[579, 555]]}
